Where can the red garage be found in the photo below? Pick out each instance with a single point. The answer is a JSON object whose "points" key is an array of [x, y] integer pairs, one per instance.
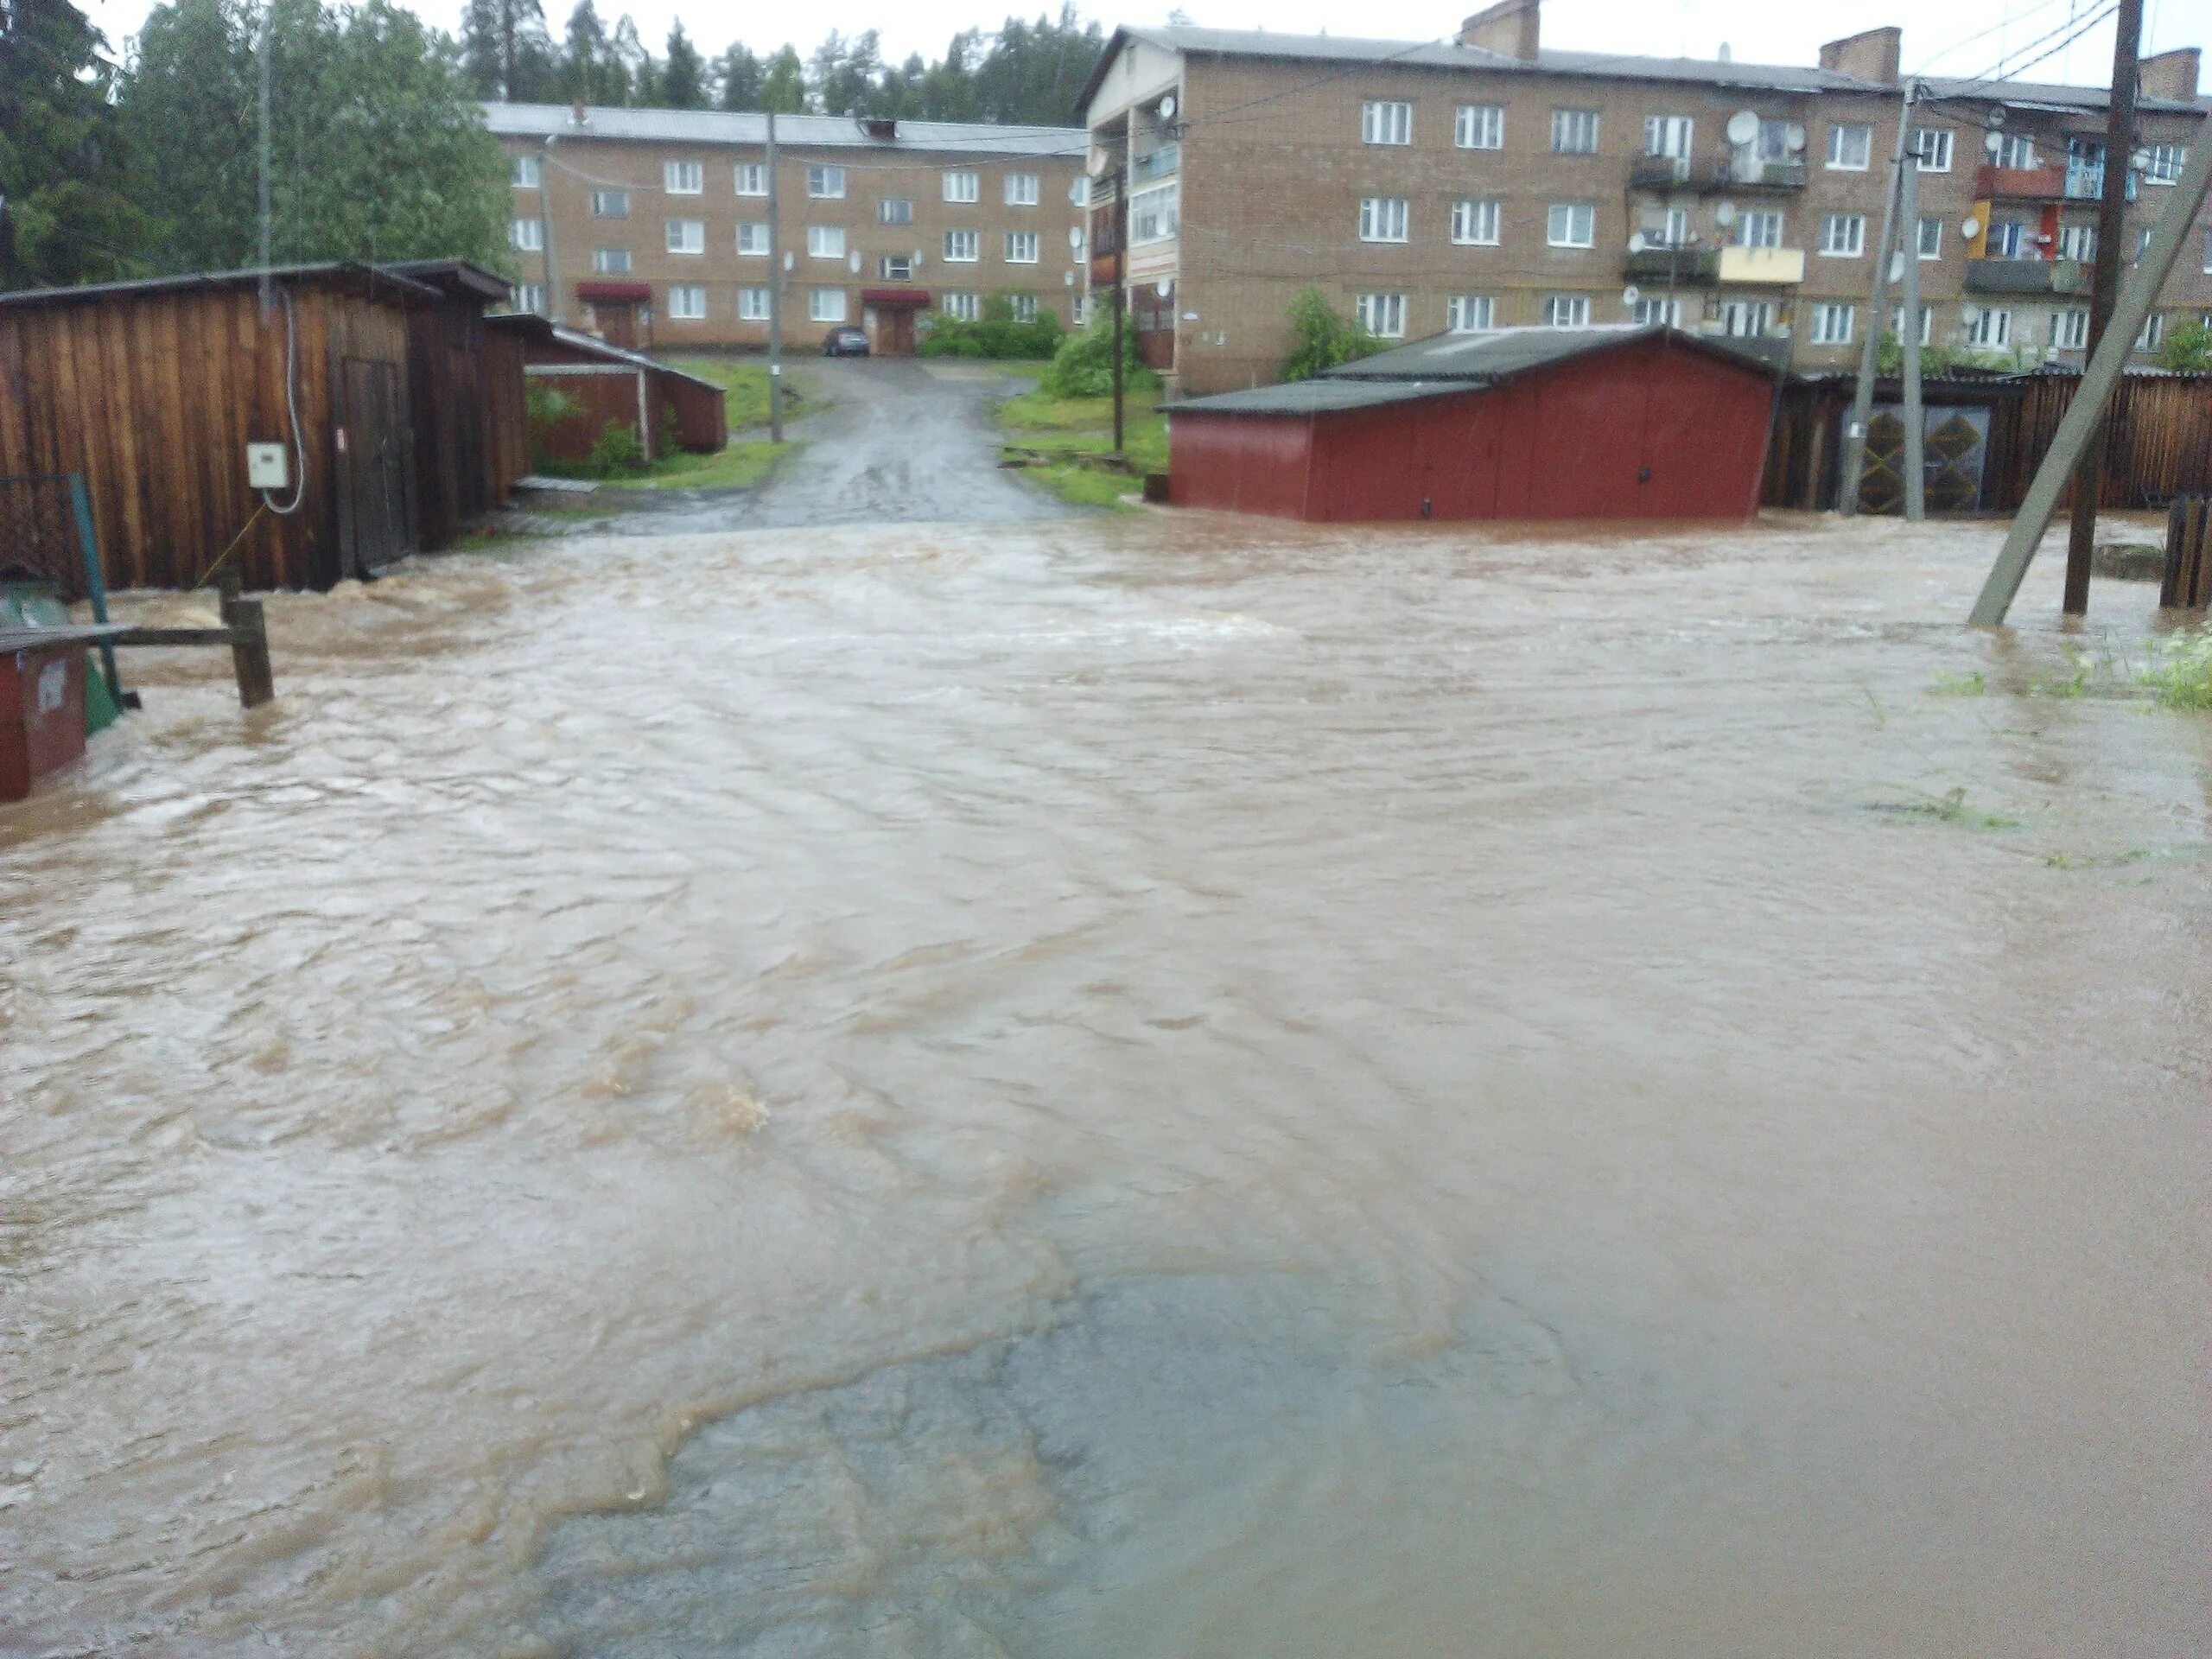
{"points": [[1616, 423]]}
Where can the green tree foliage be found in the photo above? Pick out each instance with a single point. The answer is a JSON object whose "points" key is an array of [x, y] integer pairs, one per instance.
{"points": [[506, 51], [65, 213], [2188, 350], [783, 87], [1083, 364], [1325, 337], [682, 74], [995, 334], [739, 76], [378, 150]]}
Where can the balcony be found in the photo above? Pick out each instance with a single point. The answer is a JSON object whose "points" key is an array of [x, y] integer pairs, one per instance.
{"points": [[1155, 163], [2021, 183], [1692, 267], [2027, 276], [1766, 267], [1661, 172], [1749, 173]]}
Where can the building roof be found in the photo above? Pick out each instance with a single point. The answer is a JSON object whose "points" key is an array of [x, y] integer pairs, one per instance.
{"points": [[464, 277], [802, 131], [1318, 396], [593, 345], [375, 282]]}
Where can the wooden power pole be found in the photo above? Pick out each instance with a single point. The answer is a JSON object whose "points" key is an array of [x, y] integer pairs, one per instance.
{"points": [[1862, 397], [775, 298], [1915, 421], [1120, 283]]}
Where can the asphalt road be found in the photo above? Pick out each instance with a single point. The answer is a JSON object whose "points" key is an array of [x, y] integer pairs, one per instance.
{"points": [[903, 443]]}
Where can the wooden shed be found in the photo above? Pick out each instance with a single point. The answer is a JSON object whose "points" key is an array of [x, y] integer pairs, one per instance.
{"points": [[1627, 422], [608, 383], [466, 394]]}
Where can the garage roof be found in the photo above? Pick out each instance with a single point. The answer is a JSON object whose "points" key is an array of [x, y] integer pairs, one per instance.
{"points": [[1498, 353], [1318, 396]]}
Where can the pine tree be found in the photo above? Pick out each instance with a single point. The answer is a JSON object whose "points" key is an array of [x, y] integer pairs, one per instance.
{"points": [[65, 215], [739, 76], [783, 89], [683, 76]]}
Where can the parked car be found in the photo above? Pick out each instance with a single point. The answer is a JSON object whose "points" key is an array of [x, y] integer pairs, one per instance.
{"points": [[846, 342]]}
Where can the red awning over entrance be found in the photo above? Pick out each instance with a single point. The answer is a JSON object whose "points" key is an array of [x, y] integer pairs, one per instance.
{"points": [[894, 296], [615, 291]]}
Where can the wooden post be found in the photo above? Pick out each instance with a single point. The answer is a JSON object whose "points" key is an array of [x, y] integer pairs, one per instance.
{"points": [[249, 642], [1916, 422], [775, 297], [1862, 400], [1120, 283]]}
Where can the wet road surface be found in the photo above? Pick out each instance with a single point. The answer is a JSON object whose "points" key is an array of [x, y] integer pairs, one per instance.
{"points": [[1132, 1086]]}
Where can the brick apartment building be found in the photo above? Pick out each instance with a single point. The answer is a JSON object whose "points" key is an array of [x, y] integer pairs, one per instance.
{"points": [[1487, 182], [651, 226]]}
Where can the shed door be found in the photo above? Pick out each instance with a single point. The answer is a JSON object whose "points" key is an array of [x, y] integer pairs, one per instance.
{"points": [[378, 526]]}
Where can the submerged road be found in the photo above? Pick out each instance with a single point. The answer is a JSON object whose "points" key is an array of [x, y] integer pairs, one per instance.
{"points": [[1124, 1085]]}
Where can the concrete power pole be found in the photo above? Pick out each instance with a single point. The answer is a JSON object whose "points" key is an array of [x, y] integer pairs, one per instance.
{"points": [[1120, 283], [1915, 421], [1862, 399], [2104, 292], [775, 298]]}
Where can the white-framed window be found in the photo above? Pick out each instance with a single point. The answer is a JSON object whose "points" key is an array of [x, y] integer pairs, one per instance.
{"points": [[1759, 227], [1746, 319], [1664, 312], [896, 267], [752, 178], [963, 184], [527, 235], [524, 173], [1989, 326], [1479, 126], [611, 262], [1926, 322], [683, 179], [1022, 189], [687, 302], [1384, 314], [1079, 196], [1567, 311], [1386, 121], [1022, 247], [1156, 215], [1571, 225], [610, 204], [895, 210], [825, 241], [1929, 237], [2162, 164], [1676, 229], [825, 182], [1025, 308], [687, 236], [1471, 313], [2008, 239], [1383, 219], [752, 305], [2078, 242], [963, 247], [1832, 324], [2069, 329], [1933, 146], [964, 307], [825, 305], [1079, 312], [1772, 143], [752, 239], [1851, 145], [1574, 132], [2015, 151], [1475, 223], [1667, 137], [1843, 236], [530, 297], [2153, 331]]}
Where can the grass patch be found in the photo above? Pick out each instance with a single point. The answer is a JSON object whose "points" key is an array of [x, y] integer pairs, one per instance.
{"points": [[1067, 444], [1961, 685], [734, 466], [1950, 807], [2180, 671], [745, 389]]}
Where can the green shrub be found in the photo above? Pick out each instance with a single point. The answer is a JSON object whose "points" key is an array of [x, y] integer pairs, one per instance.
{"points": [[1083, 365], [2188, 350], [1324, 338], [2181, 673], [617, 452], [995, 334]]}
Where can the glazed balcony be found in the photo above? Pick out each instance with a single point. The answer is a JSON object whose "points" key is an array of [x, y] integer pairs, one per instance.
{"points": [[1763, 267], [1677, 267], [1993, 183], [1155, 163], [2027, 276]]}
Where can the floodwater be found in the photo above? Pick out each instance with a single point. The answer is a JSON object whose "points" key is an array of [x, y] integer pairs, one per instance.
{"points": [[1144, 1086]]}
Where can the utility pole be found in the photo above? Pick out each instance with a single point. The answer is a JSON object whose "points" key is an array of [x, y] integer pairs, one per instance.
{"points": [[1120, 281], [545, 226], [775, 298], [261, 148], [2104, 292], [1915, 424], [1870, 352]]}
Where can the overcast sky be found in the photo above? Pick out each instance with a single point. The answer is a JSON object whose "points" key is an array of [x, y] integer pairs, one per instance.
{"points": [[1757, 30]]}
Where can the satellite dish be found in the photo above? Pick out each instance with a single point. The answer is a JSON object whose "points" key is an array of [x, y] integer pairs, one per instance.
{"points": [[1743, 126], [1631, 295], [918, 258], [1970, 228], [853, 262], [1636, 245], [1725, 214], [1992, 142], [1068, 278], [787, 261], [1168, 107], [1075, 238], [1163, 289], [1796, 137], [1897, 265], [1997, 115]]}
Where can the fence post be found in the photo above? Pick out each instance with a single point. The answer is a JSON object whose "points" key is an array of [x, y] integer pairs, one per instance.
{"points": [[88, 544], [249, 642]]}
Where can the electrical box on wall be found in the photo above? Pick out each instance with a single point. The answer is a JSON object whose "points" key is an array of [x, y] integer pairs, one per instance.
{"points": [[268, 467]]}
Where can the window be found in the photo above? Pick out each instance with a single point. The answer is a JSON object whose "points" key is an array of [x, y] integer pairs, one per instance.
{"points": [[1989, 327], [1079, 195], [1021, 189], [1479, 126], [1933, 146], [1384, 314], [2078, 242], [1384, 123], [825, 241], [1850, 142], [1675, 232], [752, 305], [1662, 313], [1382, 218], [1022, 247], [524, 171], [611, 262], [683, 179], [826, 305], [530, 297], [1080, 314], [1931, 238], [1469, 314], [1572, 225], [752, 239], [1746, 319], [1574, 132], [687, 302], [1156, 215], [2162, 164], [1926, 322], [610, 204], [1832, 324], [825, 184], [896, 267], [962, 247], [963, 187], [1667, 137], [2007, 240], [1025, 308], [1566, 311], [687, 236], [752, 178], [2014, 150], [895, 210], [2069, 329], [1773, 143], [1474, 224], [1843, 236], [1760, 227], [965, 308], [527, 235], [2154, 330]]}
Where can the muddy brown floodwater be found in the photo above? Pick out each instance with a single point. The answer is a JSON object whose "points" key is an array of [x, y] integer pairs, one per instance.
{"points": [[1118, 1087]]}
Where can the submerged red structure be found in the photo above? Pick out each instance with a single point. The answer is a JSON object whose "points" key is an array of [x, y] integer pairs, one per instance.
{"points": [[1622, 422]]}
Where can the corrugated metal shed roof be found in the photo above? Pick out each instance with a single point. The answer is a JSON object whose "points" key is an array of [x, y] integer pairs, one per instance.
{"points": [[593, 345], [1499, 354], [1318, 396], [367, 278], [805, 131]]}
